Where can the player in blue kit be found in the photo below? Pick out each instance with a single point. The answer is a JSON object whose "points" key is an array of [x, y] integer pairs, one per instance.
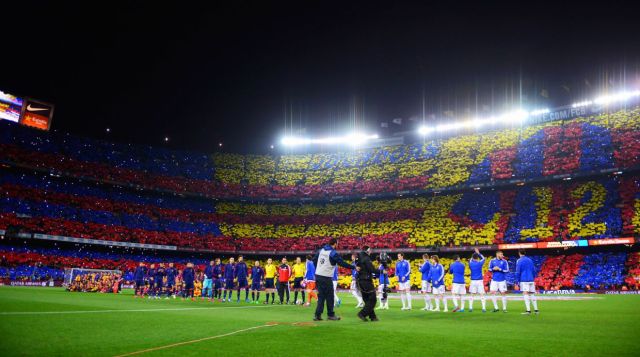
{"points": [[498, 267], [241, 275], [229, 276], [403, 273], [257, 274], [310, 280], [207, 281], [437, 282], [218, 269], [425, 287], [477, 283], [525, 277], [171, 274], [336, 299], [458, 290]]}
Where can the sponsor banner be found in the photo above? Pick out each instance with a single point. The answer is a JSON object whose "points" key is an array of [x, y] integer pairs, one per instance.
{"points": [[518, 246], [46, 284], [564, 244], [561, 292], [466, 248], [619, 292], [36, 114], [103, 242], [612, 241]]}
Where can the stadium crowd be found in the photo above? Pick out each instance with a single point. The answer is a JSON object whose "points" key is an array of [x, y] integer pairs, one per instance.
{"points": [[585, 144]]}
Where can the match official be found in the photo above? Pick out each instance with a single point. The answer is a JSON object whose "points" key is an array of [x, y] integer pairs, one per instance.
{"points": [[325, 261], [366, 271]]}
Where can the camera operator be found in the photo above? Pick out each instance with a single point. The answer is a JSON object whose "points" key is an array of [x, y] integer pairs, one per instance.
{"points": [[366, 272]]}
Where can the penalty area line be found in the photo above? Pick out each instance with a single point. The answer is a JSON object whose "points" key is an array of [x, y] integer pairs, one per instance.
{"points": [[195, 341]]}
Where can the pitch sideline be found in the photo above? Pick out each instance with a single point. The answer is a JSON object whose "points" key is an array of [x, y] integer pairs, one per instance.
{"points": [[5, 313]]}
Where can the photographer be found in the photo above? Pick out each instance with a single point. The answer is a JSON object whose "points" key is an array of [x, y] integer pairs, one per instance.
{"points": [[366, 271]]}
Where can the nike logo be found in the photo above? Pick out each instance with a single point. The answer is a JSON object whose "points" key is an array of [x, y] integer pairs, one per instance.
{"points": [[32, 109]]}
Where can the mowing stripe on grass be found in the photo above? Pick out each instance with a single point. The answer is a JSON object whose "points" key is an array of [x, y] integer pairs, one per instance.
{"points": [[195, 341], [131, 310]]}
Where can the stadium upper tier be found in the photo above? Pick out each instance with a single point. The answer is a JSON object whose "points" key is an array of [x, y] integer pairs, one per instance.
{"points": [[580, 145], [603, 207]]}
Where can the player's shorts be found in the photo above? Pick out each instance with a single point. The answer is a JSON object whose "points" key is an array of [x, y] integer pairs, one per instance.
{"points": [[159, 284], [188, 285], [269, 283], [335, 285], [354, 285], [217, 284], [243, 283], [207, 284], [404, 286], [255, 285], [528, 287], [380, 287], [139, 284], [297, 283], [229, 284], [426, 287], [476, 287], [500, 286], [171, 282], [439, 290], [458, 289], [311, 285]]}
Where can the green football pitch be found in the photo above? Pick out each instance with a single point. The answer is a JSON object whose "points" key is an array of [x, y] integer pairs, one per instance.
{"points": [[48, 321]]}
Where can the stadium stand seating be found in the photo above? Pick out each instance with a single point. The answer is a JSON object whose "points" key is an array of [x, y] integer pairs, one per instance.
{"points": [[580, 145]]}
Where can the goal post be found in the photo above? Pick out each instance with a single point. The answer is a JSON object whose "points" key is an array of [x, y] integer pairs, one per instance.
{"points": [[70, 274]]}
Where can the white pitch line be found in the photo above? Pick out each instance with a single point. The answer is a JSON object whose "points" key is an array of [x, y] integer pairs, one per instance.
{"points": [[132, 310], [194, 341]]}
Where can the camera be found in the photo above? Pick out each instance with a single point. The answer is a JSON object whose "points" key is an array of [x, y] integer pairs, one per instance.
{"points": [[384, 260]]}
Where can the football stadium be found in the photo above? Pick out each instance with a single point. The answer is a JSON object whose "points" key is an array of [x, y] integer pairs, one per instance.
{"points": [[511, 231]]}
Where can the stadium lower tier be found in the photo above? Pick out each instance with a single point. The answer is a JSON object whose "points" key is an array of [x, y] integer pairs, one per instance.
{"points": [[598, 271], [607, 207], [581, 145]]}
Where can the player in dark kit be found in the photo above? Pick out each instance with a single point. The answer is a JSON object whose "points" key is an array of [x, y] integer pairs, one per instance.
{"points": [[257, 273], [188, 277], [171, 273], [151, 280], [218, 270], [229, 276], [241, 274], [138, 276], [159, 279]]}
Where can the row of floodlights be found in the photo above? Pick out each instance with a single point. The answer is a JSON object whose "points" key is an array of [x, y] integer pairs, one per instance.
{"points": [[513, 118]]}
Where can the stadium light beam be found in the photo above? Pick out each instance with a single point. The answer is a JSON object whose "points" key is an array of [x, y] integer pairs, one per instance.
{"points": [[353, 139]]}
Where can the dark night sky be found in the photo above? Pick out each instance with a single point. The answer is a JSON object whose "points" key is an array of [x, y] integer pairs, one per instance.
{"points": [[226, 74]]}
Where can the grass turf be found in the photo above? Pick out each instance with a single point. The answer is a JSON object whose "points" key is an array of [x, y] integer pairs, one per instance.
{"points": [[608, 325]]}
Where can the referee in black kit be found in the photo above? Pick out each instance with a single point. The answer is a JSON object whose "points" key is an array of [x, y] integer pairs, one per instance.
{"points": [[366, 271]]}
